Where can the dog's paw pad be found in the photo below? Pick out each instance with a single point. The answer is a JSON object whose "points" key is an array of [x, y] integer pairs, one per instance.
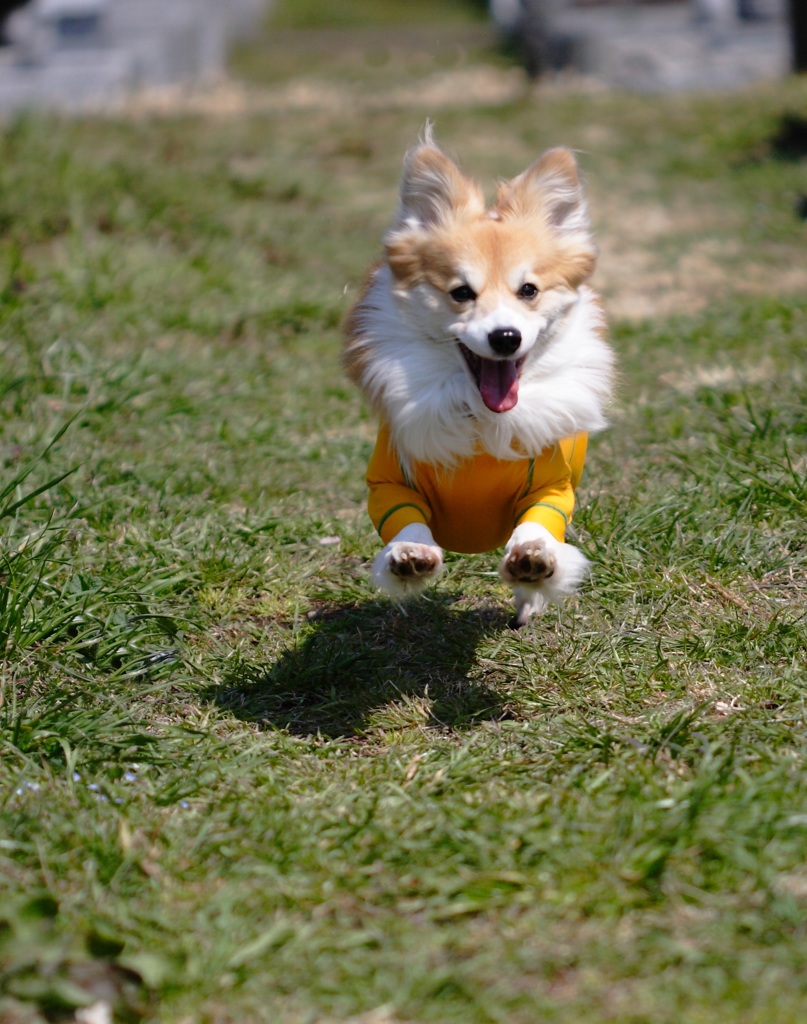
{"points": [[529, 562], [413, 561]]}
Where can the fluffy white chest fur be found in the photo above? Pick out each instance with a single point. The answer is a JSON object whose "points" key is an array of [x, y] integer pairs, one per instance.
{"points": [[416, 376]]}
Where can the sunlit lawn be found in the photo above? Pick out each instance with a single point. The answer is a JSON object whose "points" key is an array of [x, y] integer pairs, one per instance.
{"points": [[236, 786]]}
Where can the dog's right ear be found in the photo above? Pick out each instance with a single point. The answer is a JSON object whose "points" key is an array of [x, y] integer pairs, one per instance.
{"points": [[551, 188], [433, 188]]}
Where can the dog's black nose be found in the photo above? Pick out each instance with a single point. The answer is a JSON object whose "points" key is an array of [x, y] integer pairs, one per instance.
{"points": [[504, 340]]}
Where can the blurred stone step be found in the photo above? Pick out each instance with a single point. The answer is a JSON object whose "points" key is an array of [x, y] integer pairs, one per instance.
{"points": [[68, 53]]}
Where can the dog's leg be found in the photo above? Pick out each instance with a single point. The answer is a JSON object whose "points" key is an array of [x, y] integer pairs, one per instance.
{"points": [[410, 561], [540, 570]]}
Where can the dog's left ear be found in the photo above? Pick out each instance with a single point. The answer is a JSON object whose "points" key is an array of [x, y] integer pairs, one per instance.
{"points": [[552, 188], [434, 191], [433, 188]]}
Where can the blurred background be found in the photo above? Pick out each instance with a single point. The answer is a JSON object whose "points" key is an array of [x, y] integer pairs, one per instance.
{"points": [[74, 53]]}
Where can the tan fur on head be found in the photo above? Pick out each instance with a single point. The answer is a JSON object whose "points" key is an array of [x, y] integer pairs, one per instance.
{"points": [[440, 204]]}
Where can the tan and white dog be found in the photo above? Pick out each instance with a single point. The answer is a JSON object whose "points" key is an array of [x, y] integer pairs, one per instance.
{"points": [[483, 352]]}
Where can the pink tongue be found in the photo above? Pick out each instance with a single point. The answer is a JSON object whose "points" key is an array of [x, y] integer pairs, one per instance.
{"points": [[498, 384]]}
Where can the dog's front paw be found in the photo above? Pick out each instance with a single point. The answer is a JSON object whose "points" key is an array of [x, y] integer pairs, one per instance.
{"points": [[528, 562], [413, 562], [540, 569], [407, 563]]}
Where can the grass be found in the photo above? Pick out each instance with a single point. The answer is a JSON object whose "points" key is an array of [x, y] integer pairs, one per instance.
{"points": [[234, 784], [359, 14]]}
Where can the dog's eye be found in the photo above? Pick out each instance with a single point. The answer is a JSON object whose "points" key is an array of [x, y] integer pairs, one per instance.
{"points": [[528, 291], [464, 293]]}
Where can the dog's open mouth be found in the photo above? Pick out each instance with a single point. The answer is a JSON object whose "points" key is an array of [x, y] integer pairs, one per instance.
{"points": [[497, 379]]}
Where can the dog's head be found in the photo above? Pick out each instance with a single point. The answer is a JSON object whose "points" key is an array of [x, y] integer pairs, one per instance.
{"points": [[491, 282]]}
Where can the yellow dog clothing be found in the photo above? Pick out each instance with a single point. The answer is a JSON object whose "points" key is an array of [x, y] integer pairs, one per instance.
{"points": [[476, 505]]}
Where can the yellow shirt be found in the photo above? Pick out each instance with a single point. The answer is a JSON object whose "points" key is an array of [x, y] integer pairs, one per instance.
{"points": [[475, 506]]}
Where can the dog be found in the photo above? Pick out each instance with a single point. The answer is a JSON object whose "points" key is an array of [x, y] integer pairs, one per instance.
{"points": [[484, 354]]}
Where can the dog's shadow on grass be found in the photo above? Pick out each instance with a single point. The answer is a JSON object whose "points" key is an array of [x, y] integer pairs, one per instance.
{"points": [[375, 666]]}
